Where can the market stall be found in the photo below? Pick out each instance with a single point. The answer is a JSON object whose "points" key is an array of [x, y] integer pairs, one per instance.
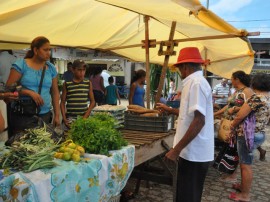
{"points": [[95, 178], [91, 163]]}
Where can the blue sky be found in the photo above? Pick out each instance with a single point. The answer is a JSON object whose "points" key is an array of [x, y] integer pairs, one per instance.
{"points": [[252, 15]]}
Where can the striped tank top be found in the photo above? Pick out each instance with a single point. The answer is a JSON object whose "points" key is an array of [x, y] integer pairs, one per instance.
{"points": [[77, 97]]}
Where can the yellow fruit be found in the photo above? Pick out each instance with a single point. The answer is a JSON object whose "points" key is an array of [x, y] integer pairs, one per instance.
{"points": [[66, 156], [58, 155], [76, 152], [62, 149], [81, 150], [76, 157], [69, 150], [72, 145]]}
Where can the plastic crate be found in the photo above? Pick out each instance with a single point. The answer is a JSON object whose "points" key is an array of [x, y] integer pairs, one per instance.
{"points": [[173, 104], [115, 198], [155, 124]]}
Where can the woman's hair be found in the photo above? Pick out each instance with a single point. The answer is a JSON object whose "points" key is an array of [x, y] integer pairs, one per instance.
{"points": [[243, 77], [261, 82], [110, 79], [36, 43], [96, 71], [138, 74]]}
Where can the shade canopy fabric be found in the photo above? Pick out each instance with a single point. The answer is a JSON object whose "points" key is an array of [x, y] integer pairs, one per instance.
{"points": [[110, 24]]}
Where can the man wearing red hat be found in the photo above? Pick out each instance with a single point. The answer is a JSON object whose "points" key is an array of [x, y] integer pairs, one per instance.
{"points": [[194, 138]]}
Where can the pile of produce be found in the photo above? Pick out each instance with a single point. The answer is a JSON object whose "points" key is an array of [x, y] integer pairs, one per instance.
{"points": [[97, 134], [34, 150], [70, 151], [141, 111]]}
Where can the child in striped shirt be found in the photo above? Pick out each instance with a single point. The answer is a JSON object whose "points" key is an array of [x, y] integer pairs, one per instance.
{"points": [[75, 95]]}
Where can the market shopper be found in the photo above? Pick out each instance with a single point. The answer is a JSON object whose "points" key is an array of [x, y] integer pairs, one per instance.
{"points": [[221, 93], [68, 75], [98, 85], [137, 91], [259, 104], [28, 72], [194, 139], [241, 82], [171, 89], [6, 60], [75, 95], [111, 93]]}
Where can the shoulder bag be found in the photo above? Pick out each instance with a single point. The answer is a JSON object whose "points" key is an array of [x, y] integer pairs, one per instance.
{"points": [[227, 159], [28, 106]]}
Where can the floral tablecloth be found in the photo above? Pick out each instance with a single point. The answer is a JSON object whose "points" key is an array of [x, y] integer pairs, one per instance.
{"points": [[97, 178]]}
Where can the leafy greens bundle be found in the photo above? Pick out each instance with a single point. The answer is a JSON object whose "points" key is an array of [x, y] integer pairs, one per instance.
{"points": [[97, 134]]}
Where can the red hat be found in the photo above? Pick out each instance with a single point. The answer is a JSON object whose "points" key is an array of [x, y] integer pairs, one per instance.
{"points": [[189, 54]]}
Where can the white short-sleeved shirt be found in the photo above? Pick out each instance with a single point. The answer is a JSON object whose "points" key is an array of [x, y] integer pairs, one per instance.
{"points": [[196, 95]]}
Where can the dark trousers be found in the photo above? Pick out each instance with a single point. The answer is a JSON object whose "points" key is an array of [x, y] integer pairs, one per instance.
{"points": [[190, 180]]}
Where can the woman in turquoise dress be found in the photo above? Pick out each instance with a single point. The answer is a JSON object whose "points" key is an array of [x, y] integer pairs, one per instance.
{"points": [[28, 72], [137, 91]]}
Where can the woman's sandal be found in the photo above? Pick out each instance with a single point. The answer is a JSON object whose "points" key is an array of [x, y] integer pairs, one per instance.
{"points": [[237, 187], [233, 196]]}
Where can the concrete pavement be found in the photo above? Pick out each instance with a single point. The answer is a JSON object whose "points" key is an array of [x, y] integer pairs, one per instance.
{"points": [[215, 190]]}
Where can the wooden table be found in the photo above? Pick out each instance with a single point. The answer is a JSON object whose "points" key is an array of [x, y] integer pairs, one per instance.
{"points": [[148, 147], [148, 144]]}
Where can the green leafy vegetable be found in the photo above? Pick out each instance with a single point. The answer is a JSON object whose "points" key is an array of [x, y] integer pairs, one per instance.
{"points": [[97, 134]]}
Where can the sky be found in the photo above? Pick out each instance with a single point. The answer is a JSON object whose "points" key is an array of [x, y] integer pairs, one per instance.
{"points": [[252, 15]]}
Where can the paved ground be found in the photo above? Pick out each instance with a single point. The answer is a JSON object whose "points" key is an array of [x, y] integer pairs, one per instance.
{"points": [[215, 190]]}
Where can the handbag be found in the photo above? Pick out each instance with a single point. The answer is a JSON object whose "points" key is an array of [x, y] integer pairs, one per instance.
{"points": [[224, 129], [227, 159], [249, 125], [28, 106]]}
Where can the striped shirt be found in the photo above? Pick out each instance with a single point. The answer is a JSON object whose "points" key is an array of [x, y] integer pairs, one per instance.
{"points": [[219, 89], [77, 97]]}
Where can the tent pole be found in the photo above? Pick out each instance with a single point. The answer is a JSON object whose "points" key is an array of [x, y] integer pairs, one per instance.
{"points": [[147, 65], [226, 59], [165, 65], [226, 36]]}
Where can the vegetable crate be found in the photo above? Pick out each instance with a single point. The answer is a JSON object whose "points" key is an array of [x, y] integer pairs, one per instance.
{"points": [[155, 124], [116, 111], [115, 198]]}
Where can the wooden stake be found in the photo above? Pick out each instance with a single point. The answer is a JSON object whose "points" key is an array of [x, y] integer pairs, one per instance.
{"points": [[147, 64], [165, 65], [226, 36]]}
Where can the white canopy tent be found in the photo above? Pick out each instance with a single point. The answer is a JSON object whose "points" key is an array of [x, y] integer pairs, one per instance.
{"points": [[117, 24]]}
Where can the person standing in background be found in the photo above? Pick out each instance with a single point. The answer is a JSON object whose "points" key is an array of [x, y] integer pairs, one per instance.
{"points": [[171, 89], [193, 146], [98, 85], [105, 75], [68, 75], [6, 61], [137, 91], [111, 93], [221, 93]]}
